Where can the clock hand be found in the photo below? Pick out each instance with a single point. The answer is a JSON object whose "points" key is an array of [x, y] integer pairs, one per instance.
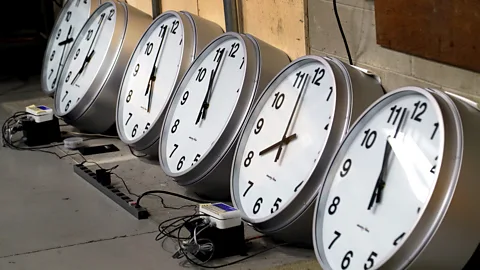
{"points": [[380, 184], [89, 55], [153, 77], [66, 41], [208, 96], [205, 103], [277, 144], [295, 107], [63, 43]]}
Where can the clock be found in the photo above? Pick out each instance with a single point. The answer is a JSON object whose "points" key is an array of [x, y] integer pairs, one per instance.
{"points": [[290, 138], [401, 191], [69, 22], [158, 63], [209, 108], [89, 82]]}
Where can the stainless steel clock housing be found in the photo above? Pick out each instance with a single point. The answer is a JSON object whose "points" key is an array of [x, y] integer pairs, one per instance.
{"points": [[211, 176], [447, 233], [95, 112], [51, 40], [355, 91], [198, 32]]}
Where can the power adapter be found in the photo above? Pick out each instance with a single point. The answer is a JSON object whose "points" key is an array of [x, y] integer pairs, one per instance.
{"points": [[103, 177], [42, 133]]}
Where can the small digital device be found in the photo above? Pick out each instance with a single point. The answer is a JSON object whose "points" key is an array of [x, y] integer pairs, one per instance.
{"points": [[221, 215]]}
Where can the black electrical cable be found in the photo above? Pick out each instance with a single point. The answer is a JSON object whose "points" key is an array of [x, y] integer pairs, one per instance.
{"points": [[171, 194], [341, 31]]}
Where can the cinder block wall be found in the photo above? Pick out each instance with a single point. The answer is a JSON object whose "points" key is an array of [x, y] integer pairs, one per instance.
{"points": [[396, 69]]}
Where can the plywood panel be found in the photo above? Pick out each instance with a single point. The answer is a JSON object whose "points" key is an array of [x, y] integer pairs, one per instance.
{"points": [[280, 23], [178, 5], [444, 31], [143, 5], [212, 10]]}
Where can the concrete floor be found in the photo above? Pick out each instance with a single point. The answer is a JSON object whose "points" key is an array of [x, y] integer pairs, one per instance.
{"points": [[53, 219]]}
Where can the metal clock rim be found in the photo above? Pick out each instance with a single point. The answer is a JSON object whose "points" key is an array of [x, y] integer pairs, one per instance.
{"points": [[444, 172], [285, 215], [98, 84], [186, 52], [250, 81], [94, 4]]}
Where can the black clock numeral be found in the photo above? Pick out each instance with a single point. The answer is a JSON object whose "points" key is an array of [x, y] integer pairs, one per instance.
{"points": [[184, 98], [234, 49], [175, 126], [278, 101], [201, 74], [68, 76], [298, 186], [394, 114], [66, 94], [259, 126], [346, 167], [421, 107], [299, 79], [333, 207], [337, 235], [129, 96], [129, 117], [434, 167], [175, 146], [54, 83], [250, 185], [276, 206], [163, 29], [68, 105], [59, 33], [328, 124], [180, 163], [330, 93], [149, 48], [51, 73], [217, 54], [101, 18], [52, 55], [319, 72], [395, 242], [134, 130], [435, 128], [243, 62], [147, 126], [258, 204], [370, 261], [346, 260], [69, 16], [76, 54], [369, 139], [135, 71], [175, 25], [110, 15], [248, 160], [196, 159], [89, 34]]}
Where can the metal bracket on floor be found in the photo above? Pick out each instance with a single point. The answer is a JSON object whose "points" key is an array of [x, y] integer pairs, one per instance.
{"points": [[112, 192]]}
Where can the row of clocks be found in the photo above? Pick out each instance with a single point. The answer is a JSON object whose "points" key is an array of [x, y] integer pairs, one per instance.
{"points": [[385, 181]]}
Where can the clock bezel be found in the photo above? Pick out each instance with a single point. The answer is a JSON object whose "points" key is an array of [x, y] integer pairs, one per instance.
{"points": [[227, 138], [341, 110], [197, 32], [443, 192], [94, 4]]}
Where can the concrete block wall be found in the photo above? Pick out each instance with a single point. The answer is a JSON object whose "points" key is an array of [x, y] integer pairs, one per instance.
{"points": [[396, 69]]}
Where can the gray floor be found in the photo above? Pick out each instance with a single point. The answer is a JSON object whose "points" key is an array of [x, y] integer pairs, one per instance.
{"points": [[52, 219]]}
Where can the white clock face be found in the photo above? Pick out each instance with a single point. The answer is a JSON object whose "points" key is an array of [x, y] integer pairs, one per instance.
{"points": [[73, 17], [368, 212], [150, 77], [298, 110], [194, 128], [86, 57]]}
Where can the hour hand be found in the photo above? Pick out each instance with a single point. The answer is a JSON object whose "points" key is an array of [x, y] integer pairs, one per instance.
{"points": [[285, 141]]}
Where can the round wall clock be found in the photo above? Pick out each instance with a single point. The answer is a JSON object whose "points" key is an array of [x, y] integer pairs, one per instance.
{"points": [[209, 108], [402, 190], [290, 138], [69, 22], [158, 63], [87, 91]]}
